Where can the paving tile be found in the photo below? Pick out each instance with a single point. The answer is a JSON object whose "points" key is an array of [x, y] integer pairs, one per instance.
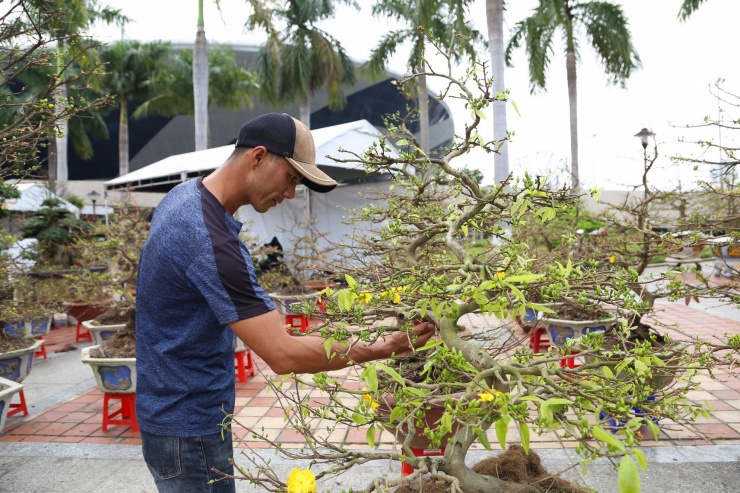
{"points": [[727, 394], [61, 439], [728, 416], [55, 429], [81, 430], [76, 417], [717, 430], [253, 411]]}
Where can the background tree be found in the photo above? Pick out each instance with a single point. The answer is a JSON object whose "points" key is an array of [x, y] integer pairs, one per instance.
{"points": [[495, 21], [688, 7], [302, 58], [71, 19], [444, 22], [129, 66], [200, 83], [607, 31]]}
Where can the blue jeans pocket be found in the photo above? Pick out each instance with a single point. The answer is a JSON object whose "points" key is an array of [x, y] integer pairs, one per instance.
{"points": [[162, 455]]}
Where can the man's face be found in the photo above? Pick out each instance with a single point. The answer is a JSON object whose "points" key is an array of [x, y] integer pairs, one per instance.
{"points": [[278, 180]]}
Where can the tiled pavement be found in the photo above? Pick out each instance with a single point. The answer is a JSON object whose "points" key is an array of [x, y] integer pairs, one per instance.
{"points": [[78, 419]]}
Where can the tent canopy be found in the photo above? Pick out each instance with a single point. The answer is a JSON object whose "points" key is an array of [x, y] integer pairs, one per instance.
{"points": [[32, 195], [164, 175]]}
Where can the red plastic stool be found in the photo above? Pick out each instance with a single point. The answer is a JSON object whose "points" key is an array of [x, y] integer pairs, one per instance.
{"points": [[127, 412], [82, 335], [42, 349], [537, 343], [406, 469], [244, 365], [14, 409], [569, 361], [296, 322]]}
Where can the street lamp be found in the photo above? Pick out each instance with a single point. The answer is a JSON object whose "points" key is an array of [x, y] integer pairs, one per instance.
{"points": [[93, 196], [644, 134]]}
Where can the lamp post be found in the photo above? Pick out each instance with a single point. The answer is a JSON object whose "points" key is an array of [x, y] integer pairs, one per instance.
{"points": [[93, 196], [644, 135]]}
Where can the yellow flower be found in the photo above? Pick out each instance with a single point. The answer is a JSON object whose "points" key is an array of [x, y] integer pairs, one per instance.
{"points": [[371, 402], [301, 481], [486, 397], [612, 259], [364, 296], [501, 274]]}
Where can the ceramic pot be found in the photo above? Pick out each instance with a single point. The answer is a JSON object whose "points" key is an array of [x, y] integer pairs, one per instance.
{"points": [[283, 302], [102, 333], [8, 388], [561, 330], [113, 375], [29, 328], [16, 365]]}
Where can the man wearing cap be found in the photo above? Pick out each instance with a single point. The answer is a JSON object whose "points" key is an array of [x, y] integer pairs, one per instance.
{"points": [[197, 287]]}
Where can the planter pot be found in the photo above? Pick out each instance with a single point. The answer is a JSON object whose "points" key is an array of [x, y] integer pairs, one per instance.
{"points": [[283, 302], [113, 375], [102, 333], [16, 365], [560, 330], [28, 329], [82, 311], [8, 388]]}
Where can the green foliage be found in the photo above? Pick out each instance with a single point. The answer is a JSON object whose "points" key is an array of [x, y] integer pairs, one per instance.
{"points": [[55, 229]]}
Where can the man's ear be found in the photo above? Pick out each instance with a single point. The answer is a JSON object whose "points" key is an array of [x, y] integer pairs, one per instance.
{"points": [[260, 155]]}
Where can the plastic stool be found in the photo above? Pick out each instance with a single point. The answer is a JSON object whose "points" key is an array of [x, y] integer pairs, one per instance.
{"points": [[406, 469], [296, 322], [14, 409], [42, 349], [569, 361], [82, 335], [243, 368], [537, 343], [127, 412]]}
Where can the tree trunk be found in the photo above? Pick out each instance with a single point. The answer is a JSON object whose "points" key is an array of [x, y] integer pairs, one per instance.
{"points": [[200, 83], [51, 163], [423, 111], [304, 111], [62, 173], [495, 17], [570, 65], [123, 138]]}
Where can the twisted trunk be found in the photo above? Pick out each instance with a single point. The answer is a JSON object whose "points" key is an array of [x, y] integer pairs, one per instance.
{"points": [[200, 83]]}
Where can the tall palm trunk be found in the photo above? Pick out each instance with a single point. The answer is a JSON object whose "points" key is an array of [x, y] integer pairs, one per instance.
{"points": [[570, 66], [123, 138], [423, 111], [304, 110], [62, 173], [495, 18], [200, 83]]}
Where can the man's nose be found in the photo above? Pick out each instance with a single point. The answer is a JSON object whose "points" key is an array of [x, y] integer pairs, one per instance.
{"points": [[290, 191]]}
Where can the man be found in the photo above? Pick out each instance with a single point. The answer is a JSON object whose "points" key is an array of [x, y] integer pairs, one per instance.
{"points": [[196, 281]]}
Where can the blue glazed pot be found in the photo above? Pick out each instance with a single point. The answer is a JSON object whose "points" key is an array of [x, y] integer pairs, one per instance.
{"points": [[30, 328], [16, 365], [560, 330], [113, 375], [102, 333], [284, 303]]}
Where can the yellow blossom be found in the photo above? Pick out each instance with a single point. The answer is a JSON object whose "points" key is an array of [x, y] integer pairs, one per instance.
{"points": [[501, 274], [612, 259], [371, 402], [364, 296], [486, 397], [301, 481]]}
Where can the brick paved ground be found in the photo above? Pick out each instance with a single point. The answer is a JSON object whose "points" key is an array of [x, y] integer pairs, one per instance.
{"points": [[79, 419]]}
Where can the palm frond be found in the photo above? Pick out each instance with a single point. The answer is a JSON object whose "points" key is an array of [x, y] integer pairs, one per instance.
{"points": [[688, 7]]}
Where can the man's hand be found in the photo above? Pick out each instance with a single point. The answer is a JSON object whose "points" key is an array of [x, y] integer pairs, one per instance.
{"points": [[401, 343]]}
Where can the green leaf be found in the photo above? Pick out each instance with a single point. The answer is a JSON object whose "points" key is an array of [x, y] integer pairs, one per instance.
{"points": [[402, 142], [350, 281], [370, 437], [524, 434], [464, 229], [370, 375], [604, 436], [628, 478], [607, 372], [641, 459], [395, 413], [359, 419], [328, 343], [516, 108], [558, 401], [502, 429], [525, 278], [480, 114], [423, 308], [654, 428], [390, 371], [482, 438]]}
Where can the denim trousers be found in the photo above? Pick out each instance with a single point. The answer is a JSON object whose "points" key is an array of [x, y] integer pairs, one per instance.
{"points": [[185, 464]]}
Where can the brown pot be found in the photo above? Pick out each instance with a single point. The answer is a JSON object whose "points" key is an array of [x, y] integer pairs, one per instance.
{"points": [[83, 311]]}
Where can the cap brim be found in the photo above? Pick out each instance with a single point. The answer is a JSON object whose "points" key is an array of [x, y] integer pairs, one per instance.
{"points": [[313, 177]]}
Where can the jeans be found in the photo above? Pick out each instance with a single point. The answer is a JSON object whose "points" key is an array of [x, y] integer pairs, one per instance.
{"points": [[184, 465]]}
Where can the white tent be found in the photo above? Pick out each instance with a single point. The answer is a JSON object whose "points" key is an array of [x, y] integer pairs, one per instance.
{"points": [[32, 195], [163, 175]]}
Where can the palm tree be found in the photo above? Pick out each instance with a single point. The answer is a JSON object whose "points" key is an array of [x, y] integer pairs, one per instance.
{"points": [[200, 83], [78, 16], [495, 19], [170, 92], [438, 19], [298, 61], [130, 65], [608, 33], [688, 7]]}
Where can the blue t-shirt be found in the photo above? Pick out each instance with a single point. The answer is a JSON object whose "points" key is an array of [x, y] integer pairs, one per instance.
{"points": [[195, 277]]}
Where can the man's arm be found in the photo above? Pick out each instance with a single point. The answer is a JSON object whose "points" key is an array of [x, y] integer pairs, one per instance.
{"points": [[267, 337]]}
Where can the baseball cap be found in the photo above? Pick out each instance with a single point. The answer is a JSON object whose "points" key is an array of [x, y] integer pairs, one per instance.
{"points": [[283, 135]]}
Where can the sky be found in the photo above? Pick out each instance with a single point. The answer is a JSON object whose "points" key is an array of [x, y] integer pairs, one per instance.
{"points": [[676, 86]]}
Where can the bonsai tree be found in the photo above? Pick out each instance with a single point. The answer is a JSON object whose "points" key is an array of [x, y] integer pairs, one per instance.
{"points": [[418, 264]]}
